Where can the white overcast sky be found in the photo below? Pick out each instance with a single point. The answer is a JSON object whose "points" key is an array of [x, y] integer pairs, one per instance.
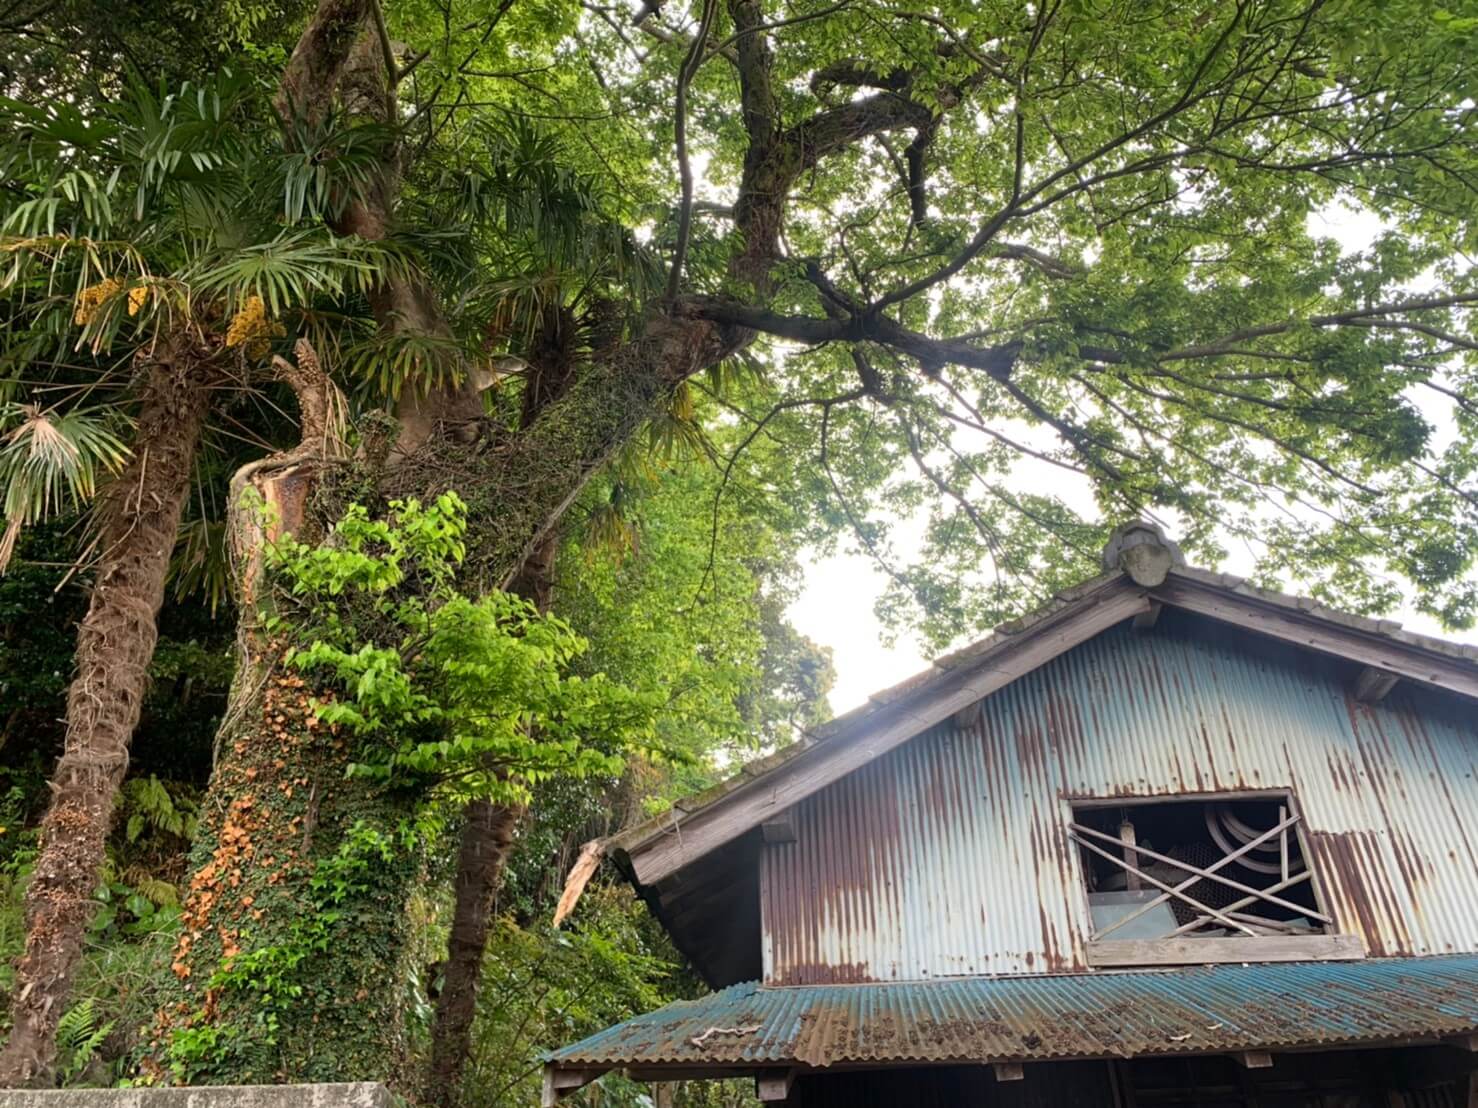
{"points": [[836, 606]]}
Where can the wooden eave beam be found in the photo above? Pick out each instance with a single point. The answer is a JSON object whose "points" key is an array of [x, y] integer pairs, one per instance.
{"points": [[1464, 1042], [968, 716], [780, 829], [1008, 1071], [653, 1074], [561, 1081], [1372, 684], [1316, 633], [756, 801], [1254, 1059], [1138, 953], [774, 1085]]}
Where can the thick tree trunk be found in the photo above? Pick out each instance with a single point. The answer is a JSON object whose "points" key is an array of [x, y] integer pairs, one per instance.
{"points": [[293, 929], [294, 934], [488, 831], [139, 517]]}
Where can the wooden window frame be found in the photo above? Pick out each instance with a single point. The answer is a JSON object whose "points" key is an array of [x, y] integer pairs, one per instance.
{"points": [[1180, 949]]}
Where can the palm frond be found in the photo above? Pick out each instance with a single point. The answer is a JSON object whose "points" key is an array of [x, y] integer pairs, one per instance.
{"points": [[296, 267], [51, 461], [388, 362], [325, 168], [201, 566]]}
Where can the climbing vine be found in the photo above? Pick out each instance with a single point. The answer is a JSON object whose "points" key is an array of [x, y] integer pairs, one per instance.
{"points": [[386, 694]]}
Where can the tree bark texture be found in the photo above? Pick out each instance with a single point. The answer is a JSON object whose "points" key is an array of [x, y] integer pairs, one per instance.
{"points": [[293, 929], [488, 829], [291, 959], [138, 518], [488, 832]]}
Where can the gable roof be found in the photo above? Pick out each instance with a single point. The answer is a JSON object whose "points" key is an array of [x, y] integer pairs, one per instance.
{"points": [[653, 852]]}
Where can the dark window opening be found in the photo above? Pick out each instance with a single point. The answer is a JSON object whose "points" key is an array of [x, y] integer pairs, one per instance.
{"points": [[1212, 867]]}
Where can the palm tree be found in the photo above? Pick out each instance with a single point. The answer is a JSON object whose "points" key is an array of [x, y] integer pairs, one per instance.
{"points": [[154, 253]]}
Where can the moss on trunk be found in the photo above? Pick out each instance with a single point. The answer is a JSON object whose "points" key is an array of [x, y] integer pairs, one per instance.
{"points": [[290, 962]]}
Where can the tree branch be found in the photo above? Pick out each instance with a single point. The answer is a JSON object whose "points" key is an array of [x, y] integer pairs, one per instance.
{"points": [[997, 361], [311, 77], [680, 133]]}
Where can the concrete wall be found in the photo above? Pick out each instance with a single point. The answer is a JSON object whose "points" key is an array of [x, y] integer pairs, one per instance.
{"points": [[362, 1094]]}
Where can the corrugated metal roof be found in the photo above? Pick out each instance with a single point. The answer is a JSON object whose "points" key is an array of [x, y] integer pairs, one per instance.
{"points": [[1214, 1009]]}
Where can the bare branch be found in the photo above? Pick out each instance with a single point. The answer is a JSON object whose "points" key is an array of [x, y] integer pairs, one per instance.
{"points": [[680, 128], [1052, 267], [1336, 319]]}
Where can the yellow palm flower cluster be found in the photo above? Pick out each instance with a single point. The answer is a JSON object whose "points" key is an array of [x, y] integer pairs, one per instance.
{"points": [[90, 300], [250, 328]]}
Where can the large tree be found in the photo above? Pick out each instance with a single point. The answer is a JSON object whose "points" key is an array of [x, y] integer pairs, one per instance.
{"points": [[1096, 225], [146, 263], [991, 242]]}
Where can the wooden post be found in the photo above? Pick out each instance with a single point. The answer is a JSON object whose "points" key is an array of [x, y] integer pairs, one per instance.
{"points": [[1283, 840], [780, 829], [1372, 684], [560, 1083], [1131, 856], [1121, 1084]]}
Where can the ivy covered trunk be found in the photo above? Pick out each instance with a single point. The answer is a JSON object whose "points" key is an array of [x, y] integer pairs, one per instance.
{"points": [[293, 926], [138, 517], [293, 931]]}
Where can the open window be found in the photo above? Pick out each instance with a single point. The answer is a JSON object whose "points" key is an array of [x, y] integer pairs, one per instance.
{"points": [[1179, 881]]}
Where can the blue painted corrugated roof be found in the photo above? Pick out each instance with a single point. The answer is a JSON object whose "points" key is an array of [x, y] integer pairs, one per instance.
{"points": [[1210, 1009]]}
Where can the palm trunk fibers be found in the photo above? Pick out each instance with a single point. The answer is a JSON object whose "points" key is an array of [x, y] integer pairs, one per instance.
{"points": [[138, 518]]}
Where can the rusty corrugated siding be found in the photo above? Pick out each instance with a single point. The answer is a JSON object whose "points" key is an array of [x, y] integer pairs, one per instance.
{"points": [[949, 856], [1037, 1017]]}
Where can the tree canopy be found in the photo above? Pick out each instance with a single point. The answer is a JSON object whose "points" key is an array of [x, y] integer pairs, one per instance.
{"points": [[1029, 271], [961, 285]]}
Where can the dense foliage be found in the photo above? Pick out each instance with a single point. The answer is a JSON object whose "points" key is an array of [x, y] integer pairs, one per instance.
{"points": [[616, 312], [733, 672], [433, 685]]}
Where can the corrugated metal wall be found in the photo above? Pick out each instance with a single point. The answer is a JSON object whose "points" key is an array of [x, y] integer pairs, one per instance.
{"points": [[950, 855]]}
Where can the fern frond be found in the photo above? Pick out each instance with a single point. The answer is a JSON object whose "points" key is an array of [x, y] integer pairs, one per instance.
{"points": [[79, 1034]]}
